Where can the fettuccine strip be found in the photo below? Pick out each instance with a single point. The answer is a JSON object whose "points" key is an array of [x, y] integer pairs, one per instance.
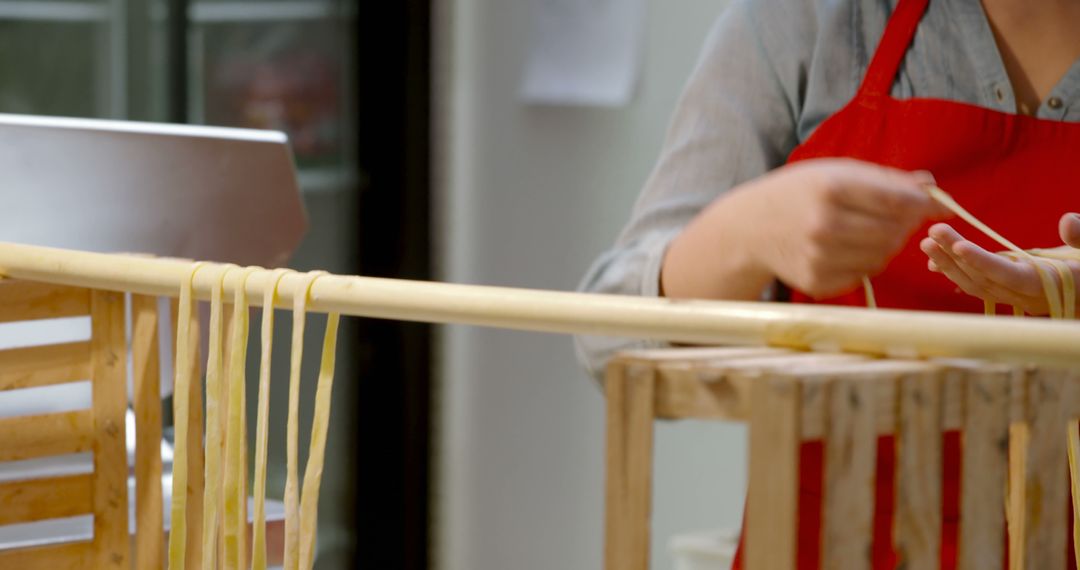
{"points": [[234, 531], [214, 443], [292, 487], [309, 500], [258, 531], [182, 373]]}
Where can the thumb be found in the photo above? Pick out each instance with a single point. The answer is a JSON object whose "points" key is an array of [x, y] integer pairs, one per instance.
{"points": [[1069, 228]]}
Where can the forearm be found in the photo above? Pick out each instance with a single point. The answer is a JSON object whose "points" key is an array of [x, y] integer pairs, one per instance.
{"points": [[719, 236]]}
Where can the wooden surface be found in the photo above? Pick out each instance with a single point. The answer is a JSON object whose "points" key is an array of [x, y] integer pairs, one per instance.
{"points": [[107, 337], [629, 389], [774, 466], [29, 437], [66, 556], [45, 365], [146, 383], [27, 301], [848, 401], [48, 498], [850, 452], [917, 514], [985, 464], [1045, 480]]}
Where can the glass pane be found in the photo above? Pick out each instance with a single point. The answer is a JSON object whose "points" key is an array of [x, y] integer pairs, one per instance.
{"points": [[283, 75], [52, 68]]}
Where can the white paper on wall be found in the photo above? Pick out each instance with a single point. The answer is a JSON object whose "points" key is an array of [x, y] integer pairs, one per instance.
{"points": [[583, 52]]}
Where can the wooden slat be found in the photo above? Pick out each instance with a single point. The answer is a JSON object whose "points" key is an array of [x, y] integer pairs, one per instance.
{"points": [[701, 354], [30, 437], [918, 478], [66, 556], [774, 466], [27, 301], [985, 463], [149, 540], [111, 548], [709, 390], [630, 394], [850, 461], [44, 365], [718, 389], [40, 499], [1045, 481]]}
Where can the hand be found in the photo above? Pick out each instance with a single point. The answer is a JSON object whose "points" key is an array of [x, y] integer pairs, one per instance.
{"points": [[993, 277], [819, 226]]}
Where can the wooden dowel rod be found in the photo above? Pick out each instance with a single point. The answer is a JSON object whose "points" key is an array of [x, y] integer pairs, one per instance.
{"points": [[705, 322]]}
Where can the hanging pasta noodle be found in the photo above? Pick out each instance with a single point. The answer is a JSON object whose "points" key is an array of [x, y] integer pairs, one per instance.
{"points": [[292, 499], [214, 448], [1053, 297], [234, 527], [183, 367], [309, 499], [1062, 304], [258, 531]]}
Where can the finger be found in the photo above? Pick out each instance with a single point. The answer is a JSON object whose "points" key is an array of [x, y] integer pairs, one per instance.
{"points": [[947, 266], [1069, 228], [1018, 276], [884, 192], [948, 239], [941, 262]]}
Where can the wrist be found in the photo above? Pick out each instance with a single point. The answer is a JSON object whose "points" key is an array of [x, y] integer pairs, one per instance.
{"points": [[715, 256]]}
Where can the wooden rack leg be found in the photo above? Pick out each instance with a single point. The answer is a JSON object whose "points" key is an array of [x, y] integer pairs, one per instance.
{"points": [[111, 547], [850, 454], [630, 399], [985, 460], [1044, 474], [774, 470], [146, 381], [918, 471]]}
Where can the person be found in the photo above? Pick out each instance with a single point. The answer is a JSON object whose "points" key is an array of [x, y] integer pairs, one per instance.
{"points": [[796, 165]]}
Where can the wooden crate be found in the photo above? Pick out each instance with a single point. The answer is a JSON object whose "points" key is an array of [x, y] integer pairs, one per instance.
{"points": [[1013, 421]]}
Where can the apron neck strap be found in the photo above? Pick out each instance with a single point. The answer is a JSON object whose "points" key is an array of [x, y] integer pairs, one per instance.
{"points": [[893, 47]]}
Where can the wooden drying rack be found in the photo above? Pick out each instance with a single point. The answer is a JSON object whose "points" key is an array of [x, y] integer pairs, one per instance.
{"points": [[784, 404]]}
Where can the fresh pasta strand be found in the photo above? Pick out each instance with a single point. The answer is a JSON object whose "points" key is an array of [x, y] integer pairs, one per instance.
{"points": [[182, 372], [309, 499], [1062, 304], [868, 288], [1053, 297], [234, 528], [258, 531], [213, 457], [292, 491]]}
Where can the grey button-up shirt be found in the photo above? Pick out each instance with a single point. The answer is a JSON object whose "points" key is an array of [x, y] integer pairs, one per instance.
{"points": [[770, 73]]}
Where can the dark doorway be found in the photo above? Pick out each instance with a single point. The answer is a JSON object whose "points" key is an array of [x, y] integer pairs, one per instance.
{"points": [[395, 370]]}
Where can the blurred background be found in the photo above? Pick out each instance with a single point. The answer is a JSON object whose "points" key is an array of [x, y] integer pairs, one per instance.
{"points": [[453, 448]]}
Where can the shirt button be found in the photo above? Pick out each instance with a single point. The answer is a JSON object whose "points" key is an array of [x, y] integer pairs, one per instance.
{"points": [[1054, 103], [999, 93]]}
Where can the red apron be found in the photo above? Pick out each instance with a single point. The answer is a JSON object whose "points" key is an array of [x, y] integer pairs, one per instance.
{"points": [[1018, 174]]}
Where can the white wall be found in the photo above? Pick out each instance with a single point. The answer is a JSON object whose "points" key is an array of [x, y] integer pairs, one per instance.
{"points": [[530, 196]]}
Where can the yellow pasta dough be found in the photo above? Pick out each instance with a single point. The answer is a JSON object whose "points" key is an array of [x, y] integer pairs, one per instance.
{"points": [[309, 499], [214, 447], [234, 527], [292, 491], [258, 531], [182, 372]]}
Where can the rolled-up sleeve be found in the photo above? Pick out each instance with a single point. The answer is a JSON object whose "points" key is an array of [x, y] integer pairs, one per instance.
{"points": [[735, 121]]}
